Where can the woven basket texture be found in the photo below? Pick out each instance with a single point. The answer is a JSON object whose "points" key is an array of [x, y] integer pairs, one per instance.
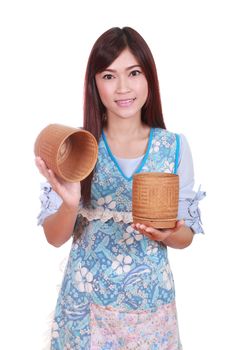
{"points": [[155, 199]]}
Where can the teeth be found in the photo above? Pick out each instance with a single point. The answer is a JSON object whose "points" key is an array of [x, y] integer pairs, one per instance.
{"points": [[125, 101]]}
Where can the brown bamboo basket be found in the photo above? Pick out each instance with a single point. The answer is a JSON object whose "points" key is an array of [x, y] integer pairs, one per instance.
{"points": [[70, 152], [155, 199]]}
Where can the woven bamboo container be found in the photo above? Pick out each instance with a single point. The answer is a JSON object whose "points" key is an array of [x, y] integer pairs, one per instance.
{"points": [[155, 199], [70, 152]]}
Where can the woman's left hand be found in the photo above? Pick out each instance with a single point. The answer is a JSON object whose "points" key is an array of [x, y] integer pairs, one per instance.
{"points": [[157, 234]]}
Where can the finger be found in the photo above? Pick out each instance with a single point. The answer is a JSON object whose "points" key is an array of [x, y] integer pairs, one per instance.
{"points": [[54, 182], [140, 226], [152, 230], [41, 169], [41, 166], [180, 223], [39, 162], [47, 173], [142, 229]]}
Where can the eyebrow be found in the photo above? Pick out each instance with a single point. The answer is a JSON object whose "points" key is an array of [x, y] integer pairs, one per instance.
{"points": [[128, 68]]}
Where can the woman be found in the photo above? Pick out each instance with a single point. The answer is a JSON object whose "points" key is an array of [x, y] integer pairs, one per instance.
{"points": [[118, 291]]}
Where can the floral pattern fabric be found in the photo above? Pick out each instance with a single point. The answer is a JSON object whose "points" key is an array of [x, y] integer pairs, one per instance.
{"points": [[189, 210], [136, 330], [118, 290]]}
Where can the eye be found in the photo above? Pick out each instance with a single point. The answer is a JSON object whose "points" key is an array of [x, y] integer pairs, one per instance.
{"points": [[108, 76], [134, 73]]}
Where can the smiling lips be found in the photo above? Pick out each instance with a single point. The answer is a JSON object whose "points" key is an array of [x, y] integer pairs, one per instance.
{"points": [[125, 102]]}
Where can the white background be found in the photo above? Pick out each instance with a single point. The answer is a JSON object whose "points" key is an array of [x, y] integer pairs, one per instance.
{"points": [[44, 49]]}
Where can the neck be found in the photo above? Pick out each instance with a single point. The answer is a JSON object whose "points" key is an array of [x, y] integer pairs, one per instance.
{"points": [[124, 128]]}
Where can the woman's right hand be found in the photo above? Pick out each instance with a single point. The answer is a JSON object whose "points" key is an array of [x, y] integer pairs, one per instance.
{"points": [[69, 192]]}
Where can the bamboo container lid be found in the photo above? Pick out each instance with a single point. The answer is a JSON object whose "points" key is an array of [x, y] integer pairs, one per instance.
{"points": [[70, 152]]}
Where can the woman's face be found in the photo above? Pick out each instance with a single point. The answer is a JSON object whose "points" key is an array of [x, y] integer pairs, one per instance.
{"points": [[123, 87]]}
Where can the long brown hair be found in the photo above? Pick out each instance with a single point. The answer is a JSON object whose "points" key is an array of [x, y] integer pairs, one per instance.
{"points": [[105, 50]]}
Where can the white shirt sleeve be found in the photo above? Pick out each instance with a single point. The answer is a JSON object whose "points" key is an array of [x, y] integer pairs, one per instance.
{"points": [[185, 169], [50, 202], [188, 198]]}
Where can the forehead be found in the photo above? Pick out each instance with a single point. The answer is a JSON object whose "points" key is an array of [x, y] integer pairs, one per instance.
{"points": [[124, 60]]}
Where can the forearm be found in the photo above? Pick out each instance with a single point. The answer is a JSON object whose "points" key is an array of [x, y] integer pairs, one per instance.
{"points": [[180, 239], [59, 226]]}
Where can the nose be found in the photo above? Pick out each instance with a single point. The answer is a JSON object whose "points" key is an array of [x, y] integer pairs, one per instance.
{"points": [[122, 85]]}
